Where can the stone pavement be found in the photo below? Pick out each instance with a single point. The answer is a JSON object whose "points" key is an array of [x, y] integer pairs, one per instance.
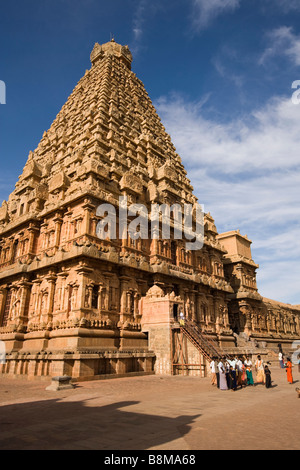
{"points": [[150, 413]]}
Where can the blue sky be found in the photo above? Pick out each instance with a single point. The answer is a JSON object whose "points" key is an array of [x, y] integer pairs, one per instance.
{"points": [[220, 74]]}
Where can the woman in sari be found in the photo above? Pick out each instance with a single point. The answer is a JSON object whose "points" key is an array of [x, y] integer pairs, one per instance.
{"points": [[289, 374], [268, 377], [222, 372], [244, 375], [260, 372], [248, 365]]}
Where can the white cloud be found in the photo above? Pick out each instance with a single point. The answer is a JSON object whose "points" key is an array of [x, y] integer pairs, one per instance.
{"points": [[139, 18], [144, 12], [285, 5], [204, 11], [265, 140], [282, 42], [247, 174], [280, 280], [226, 73], [138, 25]]}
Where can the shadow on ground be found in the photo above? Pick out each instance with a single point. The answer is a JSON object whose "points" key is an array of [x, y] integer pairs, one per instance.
{"points": [[55, 424]]}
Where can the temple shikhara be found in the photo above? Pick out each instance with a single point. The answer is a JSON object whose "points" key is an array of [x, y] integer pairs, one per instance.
{"points": [[74, 304]]}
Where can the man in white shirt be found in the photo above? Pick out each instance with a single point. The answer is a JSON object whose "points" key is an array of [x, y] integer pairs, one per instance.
{"points": [[222, 374], [232, 362], [213, 369], [239, 365]]}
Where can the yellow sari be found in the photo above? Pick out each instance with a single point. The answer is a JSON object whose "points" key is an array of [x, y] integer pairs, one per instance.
{"points": [[260, 373]]}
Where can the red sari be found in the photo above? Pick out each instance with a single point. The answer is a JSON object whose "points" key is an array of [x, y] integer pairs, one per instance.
{"points": [[289, 374]]}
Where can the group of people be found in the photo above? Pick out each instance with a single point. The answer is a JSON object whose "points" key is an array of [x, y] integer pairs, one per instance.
{"points": [[229, 373]]}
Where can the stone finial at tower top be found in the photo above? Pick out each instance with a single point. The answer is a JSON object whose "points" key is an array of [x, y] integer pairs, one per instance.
{"points": [[111, 48]]}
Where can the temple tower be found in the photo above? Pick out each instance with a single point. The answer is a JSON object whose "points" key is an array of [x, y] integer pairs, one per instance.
{"points": [[72, 302]]}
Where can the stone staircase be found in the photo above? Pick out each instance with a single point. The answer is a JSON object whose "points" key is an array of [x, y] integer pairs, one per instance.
{"points": [[207, 347], [244, 345]]}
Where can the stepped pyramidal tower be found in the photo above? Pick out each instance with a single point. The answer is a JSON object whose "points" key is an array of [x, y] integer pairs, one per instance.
{"points": [[74, 304]]}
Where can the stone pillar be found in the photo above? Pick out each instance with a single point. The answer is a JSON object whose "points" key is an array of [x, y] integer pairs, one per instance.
{"points": [[50, 304], [193, 305], [244, 309], [128, 301], [25, 287], [103, 295], [154, 243], [226, 317], [58, 225], [33, 234], [136, 304], [89, 296], [210, 307], [32, 366], [198, 308], [216, 308], [3, 294], [88, 208], [63, 276], [83, 272], [124, 299]]}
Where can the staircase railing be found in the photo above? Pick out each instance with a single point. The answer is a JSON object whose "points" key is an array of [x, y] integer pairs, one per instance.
{"points": [[207, 347]]}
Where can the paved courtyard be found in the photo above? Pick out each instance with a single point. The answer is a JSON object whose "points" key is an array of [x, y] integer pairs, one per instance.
{"points": [[150, 413]]}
